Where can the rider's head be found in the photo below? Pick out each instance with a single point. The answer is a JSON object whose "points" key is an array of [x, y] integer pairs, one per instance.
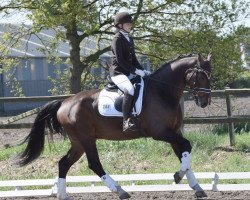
{"points": [[123, 20]]}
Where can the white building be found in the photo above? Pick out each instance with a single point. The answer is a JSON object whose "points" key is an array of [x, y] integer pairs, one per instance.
{"points": [[245, 55], [34, 68]]}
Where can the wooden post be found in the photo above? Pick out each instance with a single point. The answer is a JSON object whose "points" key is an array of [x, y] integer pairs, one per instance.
{"points": [[229, 114], [1, 89]]}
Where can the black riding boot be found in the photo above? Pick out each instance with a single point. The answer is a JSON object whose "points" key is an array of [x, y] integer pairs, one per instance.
{"points": [[128, 122]]}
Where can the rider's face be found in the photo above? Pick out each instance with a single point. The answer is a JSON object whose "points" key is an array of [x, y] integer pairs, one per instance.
{"points": [[127, 27]]}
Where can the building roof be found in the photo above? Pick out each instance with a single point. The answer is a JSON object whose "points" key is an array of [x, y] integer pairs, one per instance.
{"points": [[31, 45]]}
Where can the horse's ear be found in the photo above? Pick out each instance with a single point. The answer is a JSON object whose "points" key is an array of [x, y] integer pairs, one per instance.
{"points": [[209, 56], [200, 60]]}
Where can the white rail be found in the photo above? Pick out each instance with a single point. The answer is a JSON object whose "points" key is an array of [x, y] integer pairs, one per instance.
{"points": [[158, 182]]}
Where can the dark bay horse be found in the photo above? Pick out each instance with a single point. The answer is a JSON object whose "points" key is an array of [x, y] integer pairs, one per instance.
{"points": [[160, 119]]}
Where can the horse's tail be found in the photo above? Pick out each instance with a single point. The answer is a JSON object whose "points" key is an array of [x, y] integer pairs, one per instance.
{"points": [[47, 116]]}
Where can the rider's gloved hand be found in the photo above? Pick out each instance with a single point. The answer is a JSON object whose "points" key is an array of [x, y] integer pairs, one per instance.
{"points": [[140, 72], [147, 73]]}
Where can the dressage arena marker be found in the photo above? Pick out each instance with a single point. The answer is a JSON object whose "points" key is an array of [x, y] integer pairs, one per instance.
{"points": [[214, 177]]}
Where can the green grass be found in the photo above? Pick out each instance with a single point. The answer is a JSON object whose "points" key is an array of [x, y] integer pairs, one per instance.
{"points": [[211, 152], [243, 143]]}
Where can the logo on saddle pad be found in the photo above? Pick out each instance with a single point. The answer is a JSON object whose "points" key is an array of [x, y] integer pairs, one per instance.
{"points": [[110, 102]]}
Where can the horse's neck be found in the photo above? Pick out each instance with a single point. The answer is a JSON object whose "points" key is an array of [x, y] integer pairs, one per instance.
{"points": [[172, 77]]}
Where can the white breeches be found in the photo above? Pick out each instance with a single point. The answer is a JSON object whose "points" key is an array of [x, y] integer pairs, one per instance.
{"points": [[123, 82]]}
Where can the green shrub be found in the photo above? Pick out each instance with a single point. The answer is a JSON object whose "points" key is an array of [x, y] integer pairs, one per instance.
{"points": [[238, 128], [242, 82], [204, 142]]}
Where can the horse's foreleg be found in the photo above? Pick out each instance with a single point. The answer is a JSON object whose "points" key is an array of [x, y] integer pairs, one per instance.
{"points": [[64, 165], [185, 158], [192, 181], [181, 147], [96, 166]]}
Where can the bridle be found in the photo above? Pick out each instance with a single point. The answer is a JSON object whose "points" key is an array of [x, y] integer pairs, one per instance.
{"points": [[197, 90]]}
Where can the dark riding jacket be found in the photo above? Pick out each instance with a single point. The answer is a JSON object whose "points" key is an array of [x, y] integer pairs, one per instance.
{"points": [[124, 60]]}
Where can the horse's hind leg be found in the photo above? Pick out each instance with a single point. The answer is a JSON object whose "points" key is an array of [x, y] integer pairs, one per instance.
{"points": [[96, 166], [64, 165]]}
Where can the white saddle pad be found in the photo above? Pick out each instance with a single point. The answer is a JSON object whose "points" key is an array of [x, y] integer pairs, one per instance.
{"points": [[107, 99]]}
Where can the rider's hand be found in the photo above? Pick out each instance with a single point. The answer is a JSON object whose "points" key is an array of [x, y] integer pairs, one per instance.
{"points": [[140, 72], [147, 72]]}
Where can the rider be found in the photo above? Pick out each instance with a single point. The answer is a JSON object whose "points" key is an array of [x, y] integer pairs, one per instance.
{"points": [[125, 65]]}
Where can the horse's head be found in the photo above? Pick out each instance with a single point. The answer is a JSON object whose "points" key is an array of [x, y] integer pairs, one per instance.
{"points": [[198, 79]]}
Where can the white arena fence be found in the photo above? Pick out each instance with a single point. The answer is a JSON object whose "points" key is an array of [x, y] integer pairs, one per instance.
{"points": [[130, 183]]}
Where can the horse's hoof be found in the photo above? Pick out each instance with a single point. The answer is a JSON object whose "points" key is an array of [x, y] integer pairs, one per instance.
{"points": [[67, 198], [122, 193], [200, 194], [177, 178], [125, 195]]}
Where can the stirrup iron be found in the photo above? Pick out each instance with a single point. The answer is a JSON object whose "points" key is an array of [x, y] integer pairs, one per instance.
{"points": [[129, 125]]}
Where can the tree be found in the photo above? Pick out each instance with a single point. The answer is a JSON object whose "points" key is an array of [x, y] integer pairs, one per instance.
{"points": [[162, 28]]}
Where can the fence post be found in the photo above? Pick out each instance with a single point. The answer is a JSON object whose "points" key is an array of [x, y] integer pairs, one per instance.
{"points": [[229, 115]]}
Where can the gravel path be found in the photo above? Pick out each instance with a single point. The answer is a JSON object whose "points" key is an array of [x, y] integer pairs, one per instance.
{"points": [[178, 195]]}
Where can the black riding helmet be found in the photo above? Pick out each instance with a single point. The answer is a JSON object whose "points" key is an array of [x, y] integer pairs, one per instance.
{"points": [[123, 17]]}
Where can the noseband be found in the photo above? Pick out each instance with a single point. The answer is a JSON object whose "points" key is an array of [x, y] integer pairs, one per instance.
{"points": [[196, 89]]}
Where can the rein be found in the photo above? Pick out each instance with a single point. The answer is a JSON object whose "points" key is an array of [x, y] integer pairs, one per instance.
{"points": [[194, 91], [162, 82]]}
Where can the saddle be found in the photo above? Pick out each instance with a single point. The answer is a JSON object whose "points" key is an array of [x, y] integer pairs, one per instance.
{"points": [[111, 97], [112, 87]]}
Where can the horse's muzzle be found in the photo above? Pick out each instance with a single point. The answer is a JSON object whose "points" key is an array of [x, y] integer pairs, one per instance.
{"points": [[201, 101], [204, 105]]}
